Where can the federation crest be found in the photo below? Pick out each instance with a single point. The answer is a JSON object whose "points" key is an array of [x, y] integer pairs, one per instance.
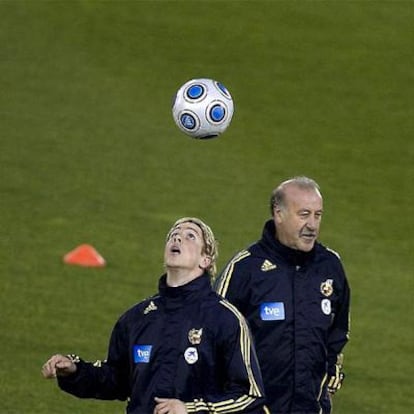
{"points": [[194, 336], [327, 287]]}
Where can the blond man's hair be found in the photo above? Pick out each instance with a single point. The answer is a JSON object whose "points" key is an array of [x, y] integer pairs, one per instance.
{"points": [[210, 247]]}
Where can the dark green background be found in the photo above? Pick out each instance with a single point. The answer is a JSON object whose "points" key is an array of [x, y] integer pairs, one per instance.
{"points": [[90, 154]]}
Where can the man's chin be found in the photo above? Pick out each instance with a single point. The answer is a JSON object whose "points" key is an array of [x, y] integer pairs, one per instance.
{"points": [[306, 246]]}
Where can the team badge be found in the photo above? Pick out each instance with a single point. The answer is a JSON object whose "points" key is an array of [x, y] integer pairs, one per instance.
{"points": [[194, 336], [326, 306], [191, 355], [327, 287]]}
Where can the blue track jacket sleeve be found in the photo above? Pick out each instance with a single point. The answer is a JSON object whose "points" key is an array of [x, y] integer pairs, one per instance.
{"points": [[339, 331], [106, 380]]}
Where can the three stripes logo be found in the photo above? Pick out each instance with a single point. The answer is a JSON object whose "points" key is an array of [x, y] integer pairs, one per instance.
{"points": [[267, 265]]}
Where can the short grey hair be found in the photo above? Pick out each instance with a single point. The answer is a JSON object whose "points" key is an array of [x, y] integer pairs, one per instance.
{"points": [[278, 195]]}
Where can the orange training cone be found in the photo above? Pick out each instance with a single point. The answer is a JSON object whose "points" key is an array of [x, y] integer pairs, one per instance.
{"points": [[84, 255]]}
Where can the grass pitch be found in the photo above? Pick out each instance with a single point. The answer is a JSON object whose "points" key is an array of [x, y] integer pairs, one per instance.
{"points": [[90, 154]]}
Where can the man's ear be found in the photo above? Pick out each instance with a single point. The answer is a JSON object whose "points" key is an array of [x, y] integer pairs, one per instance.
{"points": [[277, 213], [205, 262]]}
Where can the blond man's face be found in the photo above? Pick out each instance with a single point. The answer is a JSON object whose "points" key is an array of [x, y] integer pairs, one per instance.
{"points": [[185, 247]]}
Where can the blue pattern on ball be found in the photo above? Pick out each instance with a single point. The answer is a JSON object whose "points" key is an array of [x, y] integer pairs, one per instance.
{"points": [[217, 113], [195, 91], [188, 121], [223, 89]]}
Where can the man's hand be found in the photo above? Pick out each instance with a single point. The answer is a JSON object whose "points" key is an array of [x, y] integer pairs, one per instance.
{"points": [[169, 406], [58, 366], [335, 382]]}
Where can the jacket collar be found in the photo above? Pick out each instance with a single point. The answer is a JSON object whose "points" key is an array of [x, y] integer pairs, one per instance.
{"points": [[188, 293]]}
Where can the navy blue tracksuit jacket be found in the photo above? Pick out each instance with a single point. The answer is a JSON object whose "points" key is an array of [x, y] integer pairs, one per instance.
{"points": [[185, 343], [297, 305]]}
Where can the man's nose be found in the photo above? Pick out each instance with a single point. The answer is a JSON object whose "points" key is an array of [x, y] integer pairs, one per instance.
{"points": [[177, 237], [311, 223]]}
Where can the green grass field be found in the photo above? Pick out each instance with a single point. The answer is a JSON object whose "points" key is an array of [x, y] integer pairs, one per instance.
{"points": [[90, 154]]}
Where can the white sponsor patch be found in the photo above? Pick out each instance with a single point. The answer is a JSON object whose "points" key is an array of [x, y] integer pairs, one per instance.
{"points": [[191, 355], [326, 306]]}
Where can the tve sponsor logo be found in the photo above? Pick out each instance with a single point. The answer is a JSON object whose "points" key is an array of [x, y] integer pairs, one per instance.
{"points": [[272, 311], [142, 354]]}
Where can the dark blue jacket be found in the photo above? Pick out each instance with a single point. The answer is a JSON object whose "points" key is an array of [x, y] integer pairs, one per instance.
{"points": [[185, 343], [297, 305]]}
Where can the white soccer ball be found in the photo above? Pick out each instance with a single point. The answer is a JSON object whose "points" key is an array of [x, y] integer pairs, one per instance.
{"points": [[203, 108]]}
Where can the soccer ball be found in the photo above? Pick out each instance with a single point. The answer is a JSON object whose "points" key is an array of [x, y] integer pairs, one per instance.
{"points": [[203, 108]]}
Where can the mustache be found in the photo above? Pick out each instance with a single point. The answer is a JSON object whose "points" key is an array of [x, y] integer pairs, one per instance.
{"points": [[307, 232]]}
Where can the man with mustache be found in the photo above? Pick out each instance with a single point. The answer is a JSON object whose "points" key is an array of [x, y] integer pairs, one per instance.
{"points": [[294, 293]]}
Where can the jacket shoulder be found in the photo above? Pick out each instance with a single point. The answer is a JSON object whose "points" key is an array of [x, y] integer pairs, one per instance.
{"points": [[332, 259], [222, 310], [333, 252], [246, 256], [139, 308], [328, 252], [238, 271]]}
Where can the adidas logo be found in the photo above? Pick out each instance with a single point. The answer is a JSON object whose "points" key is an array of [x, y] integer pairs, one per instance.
{"points": [[150, 307], [267, 265]]}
